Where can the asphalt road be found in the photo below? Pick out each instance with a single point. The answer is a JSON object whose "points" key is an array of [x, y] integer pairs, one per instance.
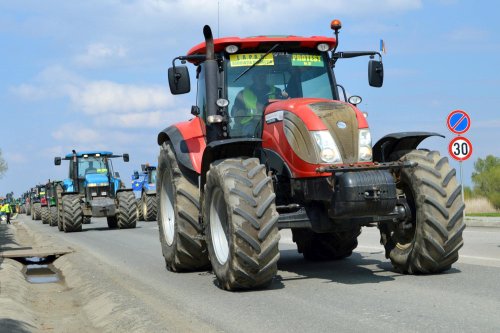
{"points": [[360, 293]]}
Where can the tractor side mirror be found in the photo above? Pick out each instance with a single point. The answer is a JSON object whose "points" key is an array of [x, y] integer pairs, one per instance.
{"points": [[178, 80], [375, 73], [117, 174], [125, 157], [136, 174], [57, 160]]}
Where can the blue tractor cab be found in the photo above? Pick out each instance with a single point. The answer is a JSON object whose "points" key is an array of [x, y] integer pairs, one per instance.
{"points": [[144, 186], [94, 189]]}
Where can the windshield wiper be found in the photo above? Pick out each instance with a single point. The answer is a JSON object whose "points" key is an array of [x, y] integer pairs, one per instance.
{"points": [[257, 62]]}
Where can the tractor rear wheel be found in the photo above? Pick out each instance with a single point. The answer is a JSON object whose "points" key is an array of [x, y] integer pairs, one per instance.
{"points": [[149, 207], [45, 215], [37, 208], [112, 222], [180, 232], [53, 216], [140, 216], [72, 213], [126, 214], [430, 240], [241, 224], [326, 246], [28, 210]]}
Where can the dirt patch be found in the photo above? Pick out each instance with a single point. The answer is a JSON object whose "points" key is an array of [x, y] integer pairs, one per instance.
{"points": [[30, 307]]}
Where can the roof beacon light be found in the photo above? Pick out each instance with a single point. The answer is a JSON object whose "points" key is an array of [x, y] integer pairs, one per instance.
{"points": [[323, 47], [231, 49], [336, 25]]}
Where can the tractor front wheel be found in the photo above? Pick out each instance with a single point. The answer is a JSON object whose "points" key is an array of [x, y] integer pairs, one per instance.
{"points": [[37, 208], [72, 213], [428, 242], [53, 216], [180, 232], [140, 216], [45, 215], [149, 207], [127, 213], [241, 224]]}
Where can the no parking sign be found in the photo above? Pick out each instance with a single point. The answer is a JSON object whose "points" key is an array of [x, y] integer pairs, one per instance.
{"points": [[460, 148]]}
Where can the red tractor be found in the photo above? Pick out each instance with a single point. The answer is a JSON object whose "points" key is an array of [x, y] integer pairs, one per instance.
{"points": [[301, 157]]}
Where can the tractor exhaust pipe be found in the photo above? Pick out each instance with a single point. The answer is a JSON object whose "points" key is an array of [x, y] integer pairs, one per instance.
{"points": [[214, 130]]}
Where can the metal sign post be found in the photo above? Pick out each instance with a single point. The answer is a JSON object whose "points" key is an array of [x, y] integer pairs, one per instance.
{"points": [[460, 148]]}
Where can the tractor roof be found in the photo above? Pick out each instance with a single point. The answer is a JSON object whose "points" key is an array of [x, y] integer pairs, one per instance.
{"points": [[263, 43], [90, 153]]}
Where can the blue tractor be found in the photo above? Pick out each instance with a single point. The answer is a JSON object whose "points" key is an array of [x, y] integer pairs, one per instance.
{"points": [[144, 186], [93, 189]]}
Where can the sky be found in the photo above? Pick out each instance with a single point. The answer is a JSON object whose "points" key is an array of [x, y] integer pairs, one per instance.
{"points": [[93, 74]]}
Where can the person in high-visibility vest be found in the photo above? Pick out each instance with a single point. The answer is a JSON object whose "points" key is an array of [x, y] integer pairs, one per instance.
{"points": [[250, 102], [7, 210]]}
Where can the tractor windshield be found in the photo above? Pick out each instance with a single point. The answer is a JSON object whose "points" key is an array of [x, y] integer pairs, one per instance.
{"points": [[280, 75], [152, 176], [92, 164]]}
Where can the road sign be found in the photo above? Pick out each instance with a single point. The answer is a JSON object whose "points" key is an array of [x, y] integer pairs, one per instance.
{"points": [[458, 122], [460, 148]]}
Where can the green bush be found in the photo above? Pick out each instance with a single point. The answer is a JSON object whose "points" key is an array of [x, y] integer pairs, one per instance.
{"points": [[486, 178]]}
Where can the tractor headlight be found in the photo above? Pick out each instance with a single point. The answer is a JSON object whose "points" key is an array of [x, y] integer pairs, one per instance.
{"points": [[365, 145], [328, 150], [91, 184]]}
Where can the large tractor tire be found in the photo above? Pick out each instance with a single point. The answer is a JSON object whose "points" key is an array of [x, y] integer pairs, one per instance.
{"points": [[37, 209], [60, 220], [241, 224], [53, 216], [140, 216], [326, 246], [127, 213], [430, 241], [28, 209], [72, 213], [112, 222], [149, 207], [45, 215], [182, 245]]}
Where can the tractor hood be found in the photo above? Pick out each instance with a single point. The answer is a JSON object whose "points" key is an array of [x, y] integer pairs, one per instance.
{"points": [[96, 179], [310, 125]]}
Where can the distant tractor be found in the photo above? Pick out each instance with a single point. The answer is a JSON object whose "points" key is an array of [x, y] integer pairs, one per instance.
{"points": [[53, 188], [144, 186], [93, 189], [35, 200], [275, 143], [27, 202]]}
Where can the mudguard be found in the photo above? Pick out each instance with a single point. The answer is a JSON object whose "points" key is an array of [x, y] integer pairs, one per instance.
{"points": [[188, 142], [387, 148], [216, 150]]}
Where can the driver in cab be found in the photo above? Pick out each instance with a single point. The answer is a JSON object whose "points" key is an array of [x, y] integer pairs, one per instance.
{"points": [[250, 102]]}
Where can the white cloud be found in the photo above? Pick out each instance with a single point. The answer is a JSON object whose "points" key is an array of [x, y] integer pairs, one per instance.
{"points": [[76, 133], [95, 97], [99, 54], [468, 34], [140, 120], [106, 96]]}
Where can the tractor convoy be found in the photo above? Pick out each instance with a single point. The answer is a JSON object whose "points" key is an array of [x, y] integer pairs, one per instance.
{"points": [[274, 142]]}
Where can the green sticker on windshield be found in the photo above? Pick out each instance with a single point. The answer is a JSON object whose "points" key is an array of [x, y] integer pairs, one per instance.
{"points": [[308, 60], [248, 59], [102, 170]]}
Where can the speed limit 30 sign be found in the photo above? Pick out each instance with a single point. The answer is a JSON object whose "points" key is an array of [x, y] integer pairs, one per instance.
{"points": [[460, 148]]}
